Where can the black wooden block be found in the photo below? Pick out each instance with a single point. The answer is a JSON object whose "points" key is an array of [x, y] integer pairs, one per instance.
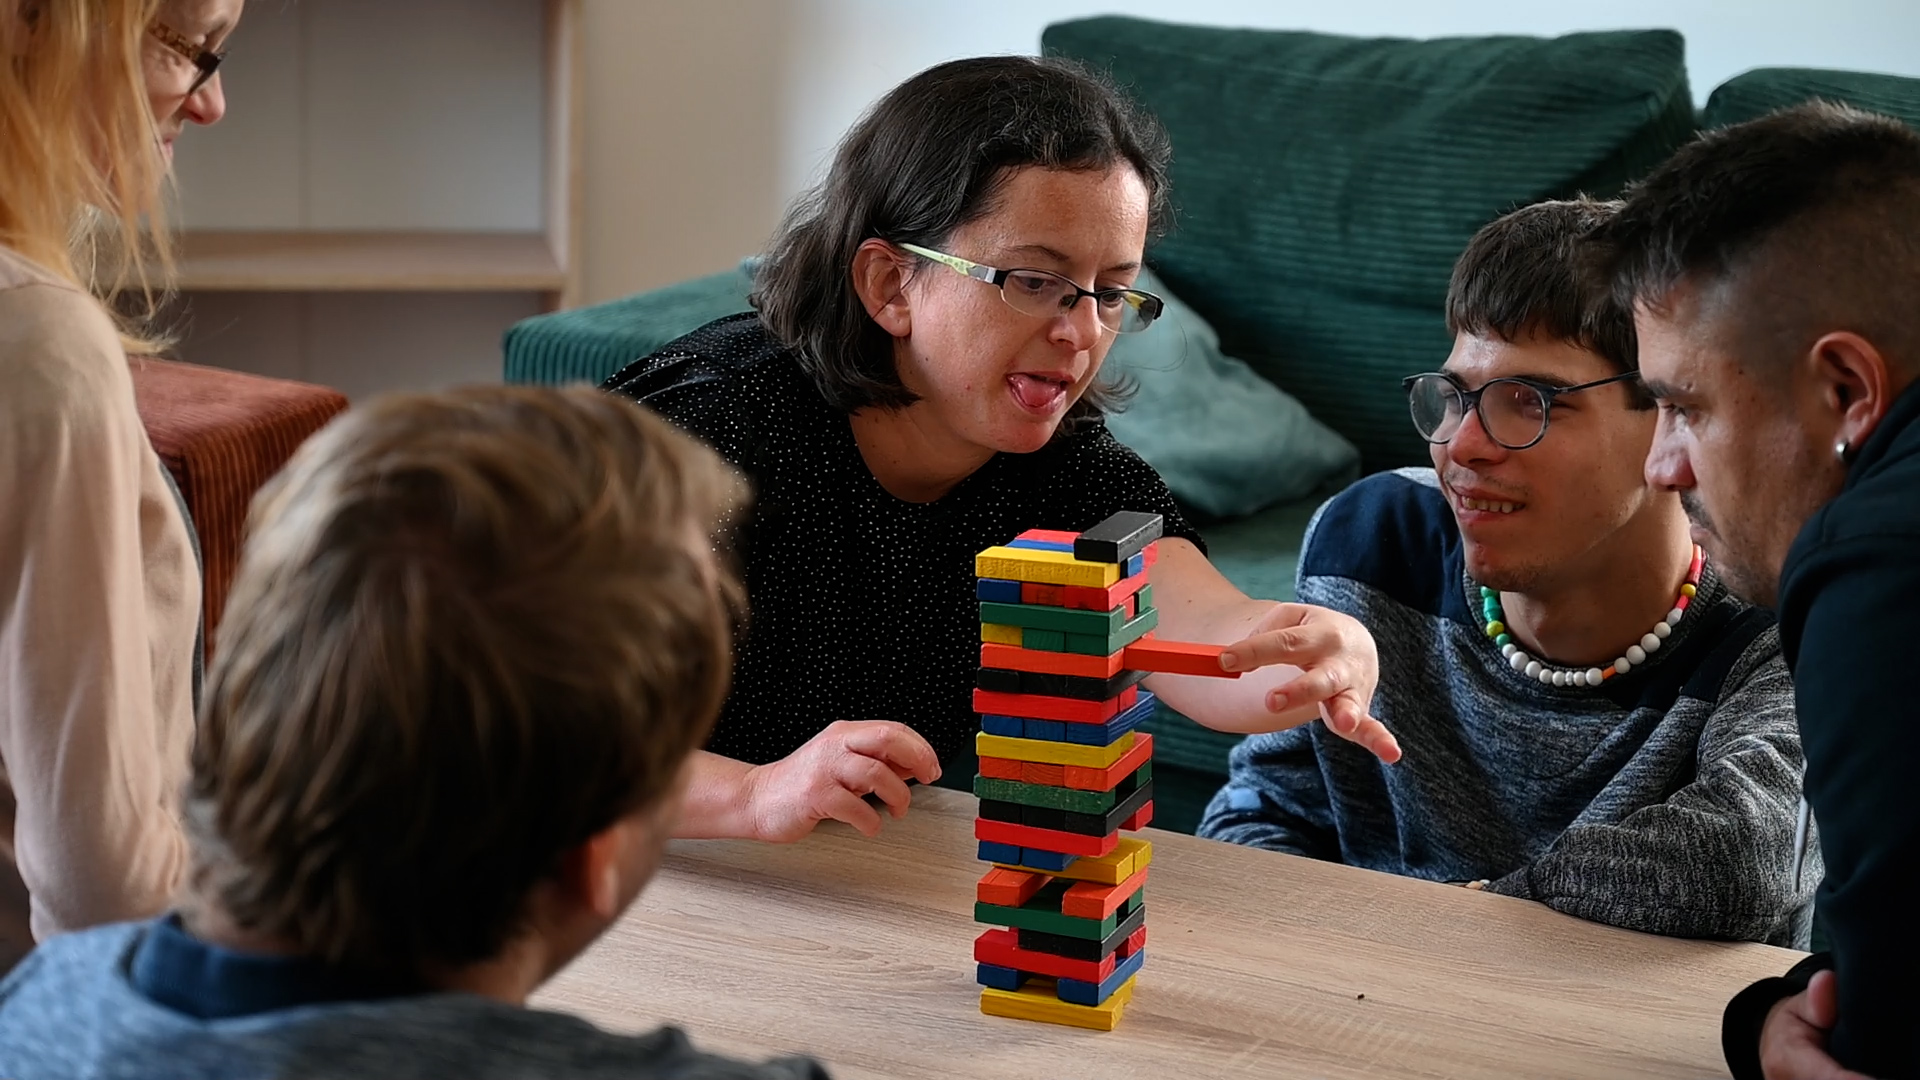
{"points": [[1118, 538]]}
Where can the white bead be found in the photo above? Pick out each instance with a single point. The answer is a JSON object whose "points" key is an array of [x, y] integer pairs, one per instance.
{"points": [[1517, 659], [1508, 650], [1546, 677], [1622, 665], [1533, 669], [1636, 654], [1650, 643], [1595, 676], [1674, 616], [1559, 678], [1662, 631]]}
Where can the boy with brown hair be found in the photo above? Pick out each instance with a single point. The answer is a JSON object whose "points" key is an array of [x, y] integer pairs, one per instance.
{"points": [[1589, 719], [472, 642]]}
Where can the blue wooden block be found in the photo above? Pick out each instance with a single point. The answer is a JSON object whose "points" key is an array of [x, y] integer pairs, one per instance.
{"points": [[1049, 730], [1000, 853], [1044, 860], [997, 590], [1006, 978], [1039, 545], [1105, 734], [1011, 726], [1134, 565], [1077, 992]]}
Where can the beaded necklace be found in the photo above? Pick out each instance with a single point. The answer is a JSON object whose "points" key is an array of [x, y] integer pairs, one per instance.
{"points": [[1559, 676]]}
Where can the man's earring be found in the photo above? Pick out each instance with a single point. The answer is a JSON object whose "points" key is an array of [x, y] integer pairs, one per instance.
{"points": [[1843, 450]]}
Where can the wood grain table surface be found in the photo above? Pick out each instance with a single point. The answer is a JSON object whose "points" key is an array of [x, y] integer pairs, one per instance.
{"points": [[859, 952]]}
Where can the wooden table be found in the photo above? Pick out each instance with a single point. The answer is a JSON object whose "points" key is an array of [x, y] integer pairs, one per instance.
{"points": [[860, 952]]}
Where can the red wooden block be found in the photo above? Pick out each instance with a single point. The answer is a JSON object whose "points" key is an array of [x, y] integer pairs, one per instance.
{"points": [[1092, 900], [1176, 658], [1153, 553], [1047, 595], [1015, 658], [1088, 598], [1067, 710], [1002, 948], [1134, 943], [1083, 778], [1010, 888], [1001, 768], [1004, 832], [1049, 536], [1040, 772], [1141, 818]]}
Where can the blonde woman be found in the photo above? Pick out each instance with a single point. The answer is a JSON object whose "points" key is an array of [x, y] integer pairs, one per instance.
{"points": [[99, 592]]}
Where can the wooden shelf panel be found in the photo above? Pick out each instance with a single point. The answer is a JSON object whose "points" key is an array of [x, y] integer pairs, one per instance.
{"points": [[270, 261]]}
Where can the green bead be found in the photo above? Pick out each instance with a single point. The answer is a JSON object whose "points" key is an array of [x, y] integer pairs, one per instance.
{"points": [[1503, 639], [1487, 593]]}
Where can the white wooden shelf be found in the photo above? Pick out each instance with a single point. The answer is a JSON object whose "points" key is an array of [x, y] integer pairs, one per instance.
{"points": [[387, 261]]}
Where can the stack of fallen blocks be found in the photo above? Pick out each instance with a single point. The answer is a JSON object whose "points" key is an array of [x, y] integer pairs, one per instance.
{"points": [[1066, 637]]}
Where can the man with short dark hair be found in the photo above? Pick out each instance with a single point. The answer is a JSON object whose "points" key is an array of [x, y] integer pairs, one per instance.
{"points": [[1588, 719], [1774, 269], [473, 640]]}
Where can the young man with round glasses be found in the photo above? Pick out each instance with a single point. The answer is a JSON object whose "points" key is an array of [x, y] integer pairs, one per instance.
{"points": [[1588, 718]]}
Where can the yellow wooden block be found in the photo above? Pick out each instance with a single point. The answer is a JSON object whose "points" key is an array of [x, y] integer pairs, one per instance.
{"points": [[998, 634], [1110, 869], [1035, 1001], [1052, 753], [1043, 567]]}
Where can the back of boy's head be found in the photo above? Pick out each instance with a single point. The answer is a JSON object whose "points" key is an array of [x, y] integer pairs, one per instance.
{"points": [[1538, 273], [470, 631]]}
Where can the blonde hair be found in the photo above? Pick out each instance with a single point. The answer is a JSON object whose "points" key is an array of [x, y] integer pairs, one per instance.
{"points": [[82, 193], [470, 631]]}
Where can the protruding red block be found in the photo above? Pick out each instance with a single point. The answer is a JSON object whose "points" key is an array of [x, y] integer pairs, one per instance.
{"points": [[1010, 888], [1067, 710], [1015, 658], [1139, 819], [1092, 900], [1134, 943], [1004, 832], [1175, 658], [1002, 947]]}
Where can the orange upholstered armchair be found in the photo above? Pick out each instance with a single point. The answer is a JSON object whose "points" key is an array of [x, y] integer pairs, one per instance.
{"points": [[222, 434]]}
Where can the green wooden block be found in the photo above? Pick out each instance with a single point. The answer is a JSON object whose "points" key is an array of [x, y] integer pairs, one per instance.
{"points": [[1060, 798], [1146, 598], [1043, 640], [1131, 631], [1042, 913], [1042, 617]]}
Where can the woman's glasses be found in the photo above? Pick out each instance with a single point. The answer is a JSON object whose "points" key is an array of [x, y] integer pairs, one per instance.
{"points": [[1047, 294], [205, 61]]}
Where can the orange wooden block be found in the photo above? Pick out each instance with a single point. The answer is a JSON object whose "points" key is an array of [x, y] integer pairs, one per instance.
{"points": [[1176, 658], [1050, 595], [1082, 778], [1011, 888], [1039, 772], [1014, 658], [1001, 768], [1049, 536], [1085, 597], [1092, 900]]}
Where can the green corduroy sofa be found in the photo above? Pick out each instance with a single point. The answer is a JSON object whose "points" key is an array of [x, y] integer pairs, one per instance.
{"points": [[1323, 186]]}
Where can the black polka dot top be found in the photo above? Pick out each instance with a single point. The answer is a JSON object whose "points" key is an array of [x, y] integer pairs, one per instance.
{"points": [[863, 605]]}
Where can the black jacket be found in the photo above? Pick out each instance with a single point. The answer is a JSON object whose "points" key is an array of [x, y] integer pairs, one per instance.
{"points": [[1850, 629]]}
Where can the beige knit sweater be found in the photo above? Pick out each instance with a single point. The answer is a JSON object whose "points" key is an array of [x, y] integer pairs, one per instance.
{"points": [[99, 600]]}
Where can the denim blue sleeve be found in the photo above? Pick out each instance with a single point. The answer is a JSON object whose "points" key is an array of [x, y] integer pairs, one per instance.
{"points": [[1275, 797]]}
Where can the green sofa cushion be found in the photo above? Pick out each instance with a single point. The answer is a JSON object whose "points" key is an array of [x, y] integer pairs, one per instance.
{"points": [[1324, 185], [590, 343], [1756, 93], [1226, 441]]}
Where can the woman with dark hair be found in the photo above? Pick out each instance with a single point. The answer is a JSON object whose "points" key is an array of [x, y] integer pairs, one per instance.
{"points": [[920, 382]]}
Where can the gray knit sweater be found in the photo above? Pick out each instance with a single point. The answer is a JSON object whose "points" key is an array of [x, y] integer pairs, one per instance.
{"points": [[1662, 801]]}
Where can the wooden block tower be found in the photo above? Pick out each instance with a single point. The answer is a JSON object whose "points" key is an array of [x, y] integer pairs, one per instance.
{"points": [[1065, 625]]}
